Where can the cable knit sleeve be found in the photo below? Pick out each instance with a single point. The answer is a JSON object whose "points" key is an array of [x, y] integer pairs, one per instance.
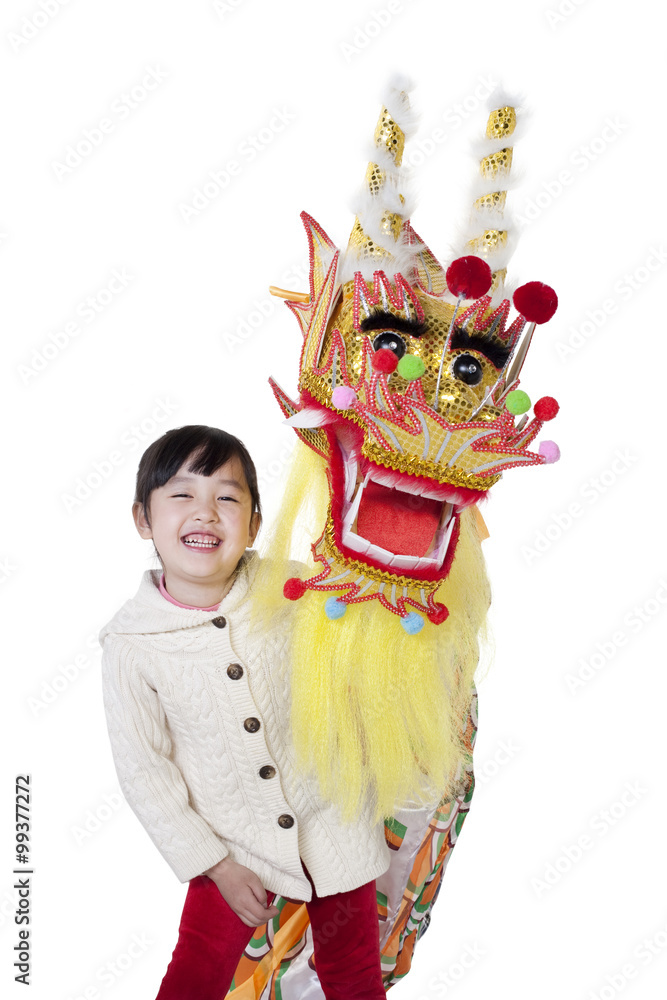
{"points": [[151, 782]]}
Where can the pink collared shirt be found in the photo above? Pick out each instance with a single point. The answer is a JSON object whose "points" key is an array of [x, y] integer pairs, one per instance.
{"points": [[163, 591]]}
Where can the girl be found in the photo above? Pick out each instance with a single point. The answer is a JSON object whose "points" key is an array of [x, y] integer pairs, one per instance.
{"points": [[197, 703]]}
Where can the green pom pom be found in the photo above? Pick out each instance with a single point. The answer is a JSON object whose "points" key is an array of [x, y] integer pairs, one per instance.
{"points": [[517, 401], [410, 367]]}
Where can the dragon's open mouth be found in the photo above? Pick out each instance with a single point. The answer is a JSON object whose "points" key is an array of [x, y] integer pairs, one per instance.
{"points": [[396, 520]]}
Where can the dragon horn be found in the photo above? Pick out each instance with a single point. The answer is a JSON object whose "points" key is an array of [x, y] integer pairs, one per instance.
{"points": [[380, 213], [488, 209]]}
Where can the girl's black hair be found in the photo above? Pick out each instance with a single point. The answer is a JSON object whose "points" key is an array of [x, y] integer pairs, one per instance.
{"points": [[209, 448]]}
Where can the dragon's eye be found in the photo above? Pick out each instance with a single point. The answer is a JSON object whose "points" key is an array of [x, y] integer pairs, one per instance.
{"points": [[391, 340], [467, 369]]}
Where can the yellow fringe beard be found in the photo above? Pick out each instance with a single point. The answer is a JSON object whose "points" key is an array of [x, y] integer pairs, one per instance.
{"points": [[378, 716]]}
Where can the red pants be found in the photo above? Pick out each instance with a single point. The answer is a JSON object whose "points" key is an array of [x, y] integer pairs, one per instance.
{"points": [[212, 938]]}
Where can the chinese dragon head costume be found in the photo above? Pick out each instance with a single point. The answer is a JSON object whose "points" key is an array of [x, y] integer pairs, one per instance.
{"points": [[410, 410]]}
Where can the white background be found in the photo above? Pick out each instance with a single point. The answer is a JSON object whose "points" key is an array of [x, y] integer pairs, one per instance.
{"points": [[559, 874]]}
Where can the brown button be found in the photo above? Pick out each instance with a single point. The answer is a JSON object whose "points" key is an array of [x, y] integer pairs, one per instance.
{"points": [[286, 821], [235, 670], [267, 771], [251, 725], [219, 622]]}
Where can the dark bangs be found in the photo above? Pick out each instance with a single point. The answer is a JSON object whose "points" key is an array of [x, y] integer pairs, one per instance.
{"points": [[208, 447]]}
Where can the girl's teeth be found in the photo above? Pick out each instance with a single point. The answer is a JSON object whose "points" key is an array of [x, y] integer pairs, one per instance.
{"points": [[201, 545]]}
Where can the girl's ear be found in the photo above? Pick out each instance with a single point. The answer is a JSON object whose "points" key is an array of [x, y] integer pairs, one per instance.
{"points": [[141, 521], [255, 522]]}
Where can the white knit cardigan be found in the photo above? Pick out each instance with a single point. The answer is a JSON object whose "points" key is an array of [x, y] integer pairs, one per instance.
{"points": [[197, 708]]}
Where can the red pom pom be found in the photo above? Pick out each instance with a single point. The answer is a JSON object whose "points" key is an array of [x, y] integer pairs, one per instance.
{"points": [[469, 276], [546, 408], [438, 616], [385, 361], [536, 302], [294, 588]]}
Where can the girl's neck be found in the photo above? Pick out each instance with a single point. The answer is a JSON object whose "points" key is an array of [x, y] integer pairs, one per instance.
{"points": [[201, 599]]}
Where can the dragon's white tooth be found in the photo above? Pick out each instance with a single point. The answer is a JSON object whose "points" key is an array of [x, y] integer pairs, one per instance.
{"points": [[356, 542], [353, 509], [403, 562]]}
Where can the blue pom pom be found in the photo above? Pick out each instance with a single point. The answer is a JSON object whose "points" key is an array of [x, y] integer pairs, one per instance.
{"points": [[333, 608], [412, 623]]}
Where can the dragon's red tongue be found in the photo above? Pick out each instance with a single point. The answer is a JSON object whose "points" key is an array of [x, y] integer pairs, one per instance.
{"points": [[397, 521]]}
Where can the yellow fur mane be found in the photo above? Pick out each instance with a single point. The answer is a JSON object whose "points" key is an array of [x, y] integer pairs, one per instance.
{"points": [[377, 715]]}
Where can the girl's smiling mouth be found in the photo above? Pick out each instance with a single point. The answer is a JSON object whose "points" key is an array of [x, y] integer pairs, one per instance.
{"points": [[204, 541]]}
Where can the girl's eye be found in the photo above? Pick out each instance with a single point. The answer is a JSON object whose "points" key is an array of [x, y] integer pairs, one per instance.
{"points": [[176, 496]]}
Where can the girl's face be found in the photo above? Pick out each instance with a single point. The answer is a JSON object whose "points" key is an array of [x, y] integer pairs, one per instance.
{"points": [[201, 526]]}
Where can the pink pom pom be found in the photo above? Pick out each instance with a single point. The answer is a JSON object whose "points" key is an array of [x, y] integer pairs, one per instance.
{"points": [[549, 451], [294, 588], [385, 361], [536, 302], [546, 408], [469, 276], [343, 397]]}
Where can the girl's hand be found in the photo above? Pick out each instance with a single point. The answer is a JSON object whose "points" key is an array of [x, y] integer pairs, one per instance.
{"points": [[243, 892]]}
